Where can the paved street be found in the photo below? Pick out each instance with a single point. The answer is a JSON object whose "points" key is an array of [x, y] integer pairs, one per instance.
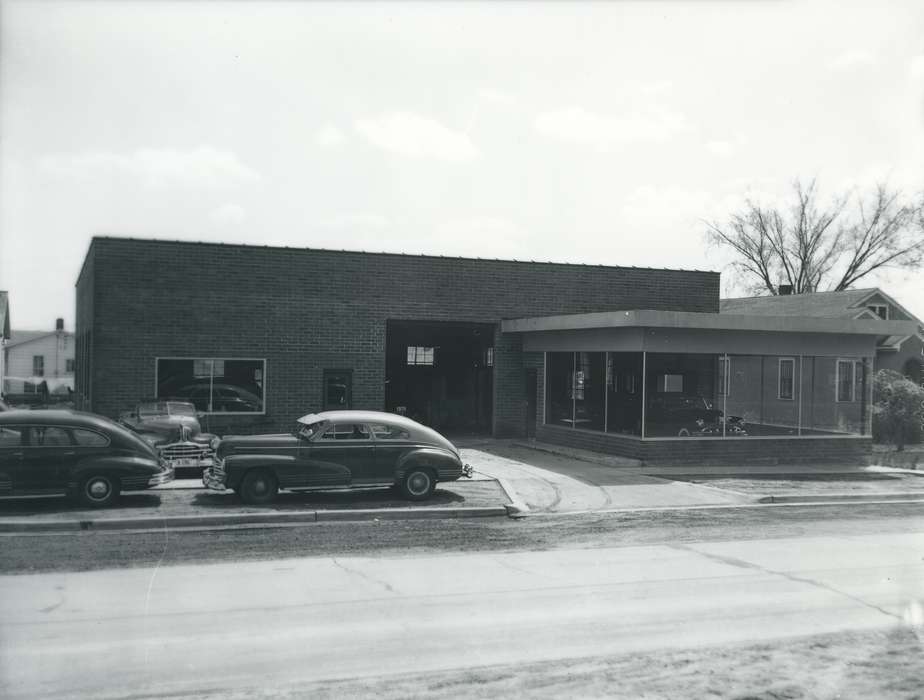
{"points": [[296, 620]]}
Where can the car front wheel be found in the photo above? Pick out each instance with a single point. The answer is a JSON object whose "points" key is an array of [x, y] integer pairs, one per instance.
{"points": [[98, 490], [258, 488], [418, 484]]}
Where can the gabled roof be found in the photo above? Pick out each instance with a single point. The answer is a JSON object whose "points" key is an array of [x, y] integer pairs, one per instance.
{"points": [[4, 315], [816, 304], [23, 337], [850, 303]]}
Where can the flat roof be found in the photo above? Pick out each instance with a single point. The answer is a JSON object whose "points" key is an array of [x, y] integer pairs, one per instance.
{"points": [[635, 318]]}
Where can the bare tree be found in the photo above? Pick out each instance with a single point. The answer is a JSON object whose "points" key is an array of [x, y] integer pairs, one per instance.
{"points": [[814, 245]]}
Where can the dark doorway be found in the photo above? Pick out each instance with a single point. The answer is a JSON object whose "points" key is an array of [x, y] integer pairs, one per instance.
{"points": [[441, 374], [338, 389], [532, 387]]}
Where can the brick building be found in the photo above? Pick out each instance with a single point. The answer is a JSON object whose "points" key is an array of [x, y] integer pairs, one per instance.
{"points": [[257, 336]]}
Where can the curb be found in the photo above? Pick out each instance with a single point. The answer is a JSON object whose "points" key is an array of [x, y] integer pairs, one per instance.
{"points": [[200, 521], [842, 497]]}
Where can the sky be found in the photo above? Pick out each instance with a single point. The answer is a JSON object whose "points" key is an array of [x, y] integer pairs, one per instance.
{"points": [[597, 132]]}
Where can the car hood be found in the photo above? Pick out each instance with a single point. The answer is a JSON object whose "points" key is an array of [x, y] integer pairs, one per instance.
{"points": [[234, 443]]}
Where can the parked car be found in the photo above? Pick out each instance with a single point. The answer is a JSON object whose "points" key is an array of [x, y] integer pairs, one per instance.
{"points": [[220, 398], [51, 452], [173, 428], [688, 415], [337, 450]]}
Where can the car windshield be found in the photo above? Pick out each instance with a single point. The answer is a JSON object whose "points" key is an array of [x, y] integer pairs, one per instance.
{"points": [[310, 430], [180, 408], [158, 408]]}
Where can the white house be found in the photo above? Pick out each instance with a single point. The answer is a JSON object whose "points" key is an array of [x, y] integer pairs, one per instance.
{"points": [[33, 357], [4, 327]]}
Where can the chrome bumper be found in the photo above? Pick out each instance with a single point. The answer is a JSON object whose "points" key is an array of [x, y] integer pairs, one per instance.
{"points": [[165, 477], [214, 480]]}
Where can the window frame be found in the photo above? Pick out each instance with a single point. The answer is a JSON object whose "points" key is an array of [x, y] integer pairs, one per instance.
{"points": [[332, 372], [837, 379], [874, 307], [724, 373], [417, 353], [70, 365], [779, 379], [225, 358], [38, 370]]}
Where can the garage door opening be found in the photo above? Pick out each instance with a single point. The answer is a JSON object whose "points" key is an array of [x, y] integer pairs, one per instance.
{"points": [[441, 374]]}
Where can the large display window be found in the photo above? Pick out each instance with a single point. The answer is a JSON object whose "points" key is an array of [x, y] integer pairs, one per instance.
{"points": [[214, 385], [686, 395]]}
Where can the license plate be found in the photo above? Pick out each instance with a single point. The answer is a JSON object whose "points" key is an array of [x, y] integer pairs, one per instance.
{"points": [[187, 462]]}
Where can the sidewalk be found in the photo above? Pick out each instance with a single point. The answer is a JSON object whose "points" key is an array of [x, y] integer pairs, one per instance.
{"points": [[556, 479]]}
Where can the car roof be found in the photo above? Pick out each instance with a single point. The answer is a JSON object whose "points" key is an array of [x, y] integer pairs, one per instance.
{"points": [[417, 431], [19, 416], [359, 416]]}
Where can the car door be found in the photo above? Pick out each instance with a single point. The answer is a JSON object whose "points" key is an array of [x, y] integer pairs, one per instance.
{"points": [[391, 442], [346, 449], [47, 459], [11, 444]]}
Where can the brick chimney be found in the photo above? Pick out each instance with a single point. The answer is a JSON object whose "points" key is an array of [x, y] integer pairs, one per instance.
{"points": [[784, 290], [59, 324]]}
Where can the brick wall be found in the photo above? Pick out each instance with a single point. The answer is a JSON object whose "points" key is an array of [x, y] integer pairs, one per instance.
{"points": [[307, 310], [731, 451]]}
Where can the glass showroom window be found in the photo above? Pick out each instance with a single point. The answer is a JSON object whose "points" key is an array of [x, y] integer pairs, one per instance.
{"points": [[559, 388], [214, 385]]}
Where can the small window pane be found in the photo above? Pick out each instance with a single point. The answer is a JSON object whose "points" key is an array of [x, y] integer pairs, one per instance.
{"points": [[845, 380], [787, 369], [389, 432], [11, 437], [89, 438], [346, 431], [419, 355], [50, 437]]}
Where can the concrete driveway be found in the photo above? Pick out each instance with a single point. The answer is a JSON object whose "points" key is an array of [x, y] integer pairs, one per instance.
{"points": [[554, 483]]}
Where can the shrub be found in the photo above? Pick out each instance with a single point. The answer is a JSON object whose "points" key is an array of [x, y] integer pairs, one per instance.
{"points": [[898, 409]]}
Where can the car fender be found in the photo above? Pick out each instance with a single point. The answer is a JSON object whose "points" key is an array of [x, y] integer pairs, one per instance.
{"points": [[121, 466], [445, 463], [236, 465]]}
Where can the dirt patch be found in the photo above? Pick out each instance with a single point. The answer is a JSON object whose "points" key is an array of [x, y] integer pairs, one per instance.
{"points": [[884, 664], [815, 483]]}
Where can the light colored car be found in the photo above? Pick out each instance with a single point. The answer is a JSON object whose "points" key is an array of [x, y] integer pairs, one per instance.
{"points": [[173, 428], [337, 450]]}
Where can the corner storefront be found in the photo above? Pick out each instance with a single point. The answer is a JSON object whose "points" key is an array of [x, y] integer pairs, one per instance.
{"points": [[675, 387]]}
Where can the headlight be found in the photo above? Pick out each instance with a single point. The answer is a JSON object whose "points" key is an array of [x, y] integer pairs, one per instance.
{"points": [[214, 442]]}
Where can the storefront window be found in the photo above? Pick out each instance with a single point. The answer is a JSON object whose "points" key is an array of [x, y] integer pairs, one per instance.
{"points": [[559, 389], [708, 396], [213, 385]]}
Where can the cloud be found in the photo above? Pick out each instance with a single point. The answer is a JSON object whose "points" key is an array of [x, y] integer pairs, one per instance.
{"points": [[854, 58], [329, 136], [577, 125], [157, 167], [229, 213], [414, 136], [660, 87]]}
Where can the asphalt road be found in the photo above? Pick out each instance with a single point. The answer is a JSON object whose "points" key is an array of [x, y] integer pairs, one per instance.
{"points": [[283, 620]]}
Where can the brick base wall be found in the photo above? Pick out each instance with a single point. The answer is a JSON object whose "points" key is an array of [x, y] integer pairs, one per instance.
{"points": [[849, 451]]}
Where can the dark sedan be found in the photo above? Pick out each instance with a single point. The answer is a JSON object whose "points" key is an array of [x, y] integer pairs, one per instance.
{"points": [[79, 454], [688, 415], [337, 450]]}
